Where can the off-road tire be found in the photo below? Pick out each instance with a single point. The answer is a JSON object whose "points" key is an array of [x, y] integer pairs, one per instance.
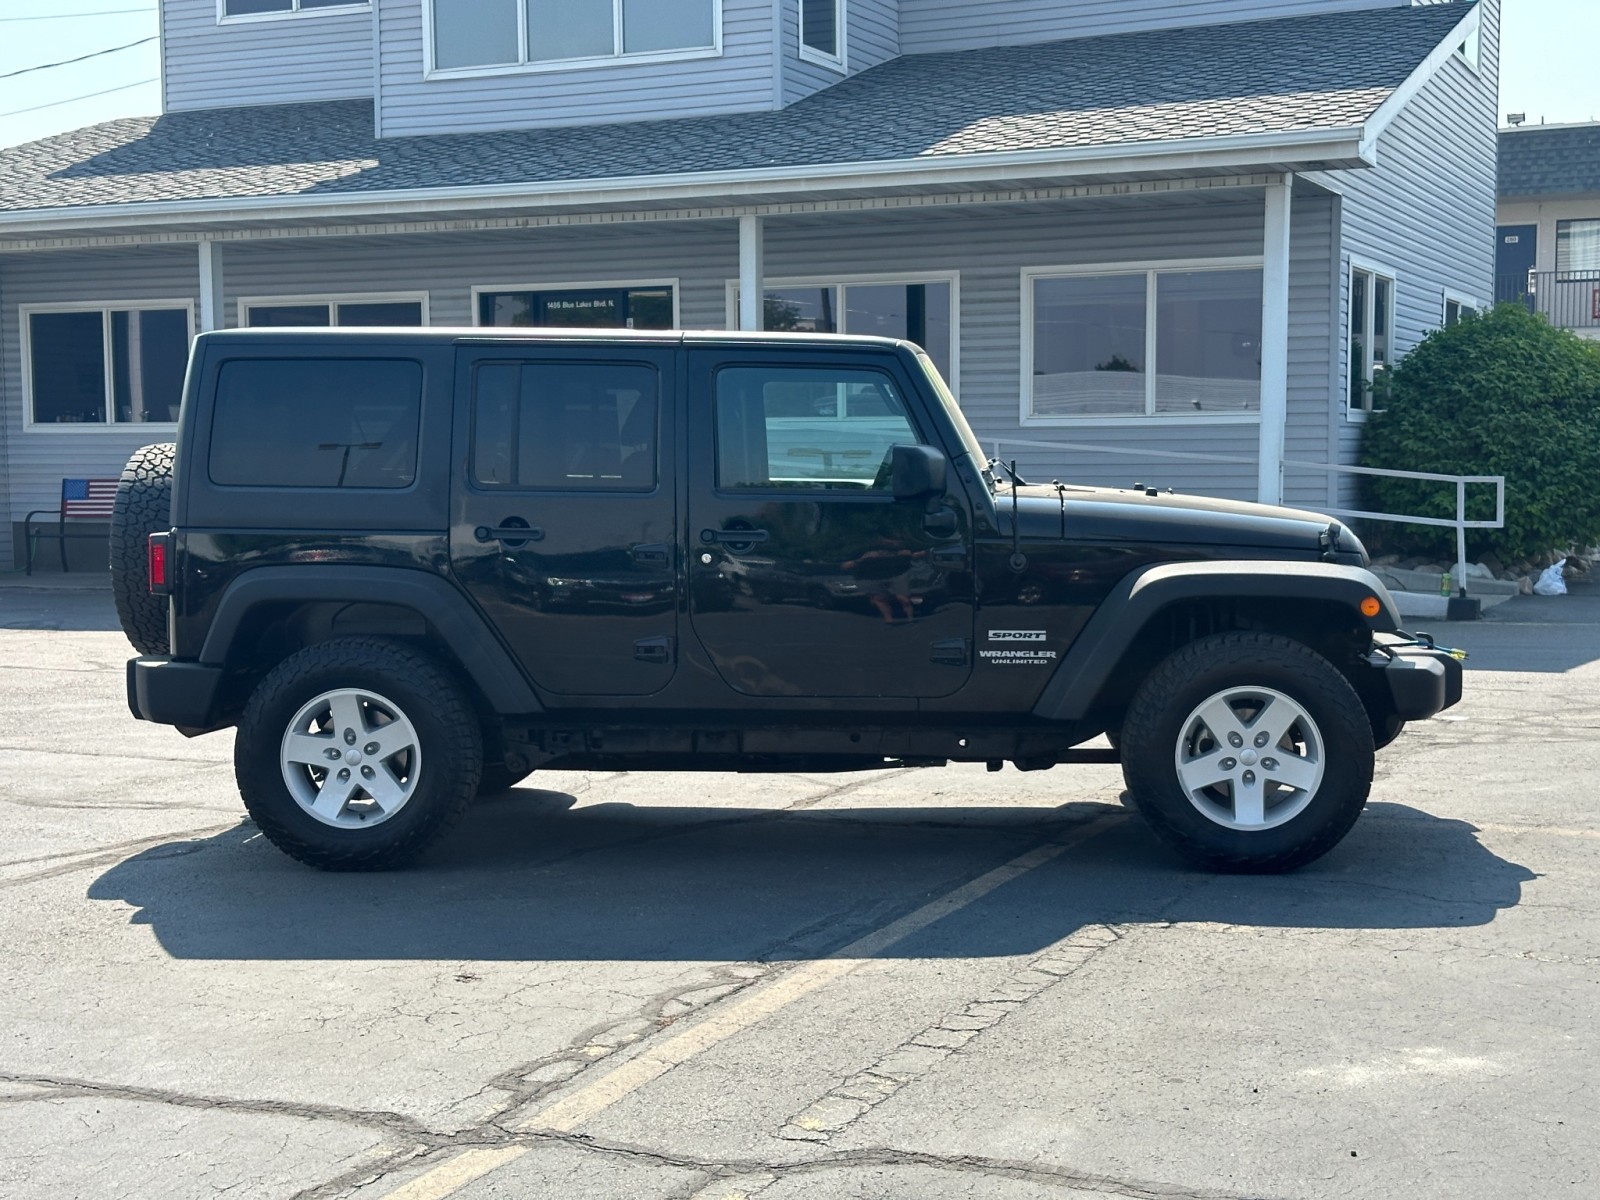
{"points": [[1204, 668], [143, 506], [431, 698]]}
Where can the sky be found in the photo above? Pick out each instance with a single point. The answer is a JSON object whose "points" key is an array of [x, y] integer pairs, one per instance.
{"points": [[1548, 66]]}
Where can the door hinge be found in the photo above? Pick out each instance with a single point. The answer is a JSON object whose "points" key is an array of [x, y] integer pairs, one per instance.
{"points": [[653, 650], [949, 558], [956, 653]]}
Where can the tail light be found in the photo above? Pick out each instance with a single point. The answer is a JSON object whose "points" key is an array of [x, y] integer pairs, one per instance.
{"points": [[160, 585]]}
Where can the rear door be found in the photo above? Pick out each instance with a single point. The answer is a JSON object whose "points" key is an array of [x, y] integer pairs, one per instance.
{"points": [[563, 519], [807, 576]]}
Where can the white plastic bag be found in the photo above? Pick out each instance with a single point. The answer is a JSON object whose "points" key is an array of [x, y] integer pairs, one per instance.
{"points": [[1551, 581]]}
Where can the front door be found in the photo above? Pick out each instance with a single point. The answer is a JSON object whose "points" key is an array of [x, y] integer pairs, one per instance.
{"points": [[807, 576], [1516, 253], [563, 521]]}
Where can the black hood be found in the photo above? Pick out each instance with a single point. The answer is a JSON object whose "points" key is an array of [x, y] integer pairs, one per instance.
{"points": [[1127, 517]]}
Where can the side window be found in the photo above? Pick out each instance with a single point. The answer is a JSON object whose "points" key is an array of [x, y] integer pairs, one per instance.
{"points": [[808, 428], [316, 423], [565, 426]]}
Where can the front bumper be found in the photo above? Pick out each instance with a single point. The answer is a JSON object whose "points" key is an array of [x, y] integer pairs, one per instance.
{"points": [[173, 692], [1423, 679]]}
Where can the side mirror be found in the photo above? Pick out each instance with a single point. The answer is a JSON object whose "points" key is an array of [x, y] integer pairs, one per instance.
{"points": [[916, 472]]}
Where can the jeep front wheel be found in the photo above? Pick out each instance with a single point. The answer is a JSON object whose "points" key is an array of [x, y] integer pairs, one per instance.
{"points": [[1248, 752], [356, 754]]}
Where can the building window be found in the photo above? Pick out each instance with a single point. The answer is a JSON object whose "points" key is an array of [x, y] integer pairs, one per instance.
{"points": [[1578, 246], [822, 25], [565, 426], [470, 34], [316, 423], [1471, 50], [919, 311], [811, 428], [111, 365], [1456, 307], [265, 8], [616, 306], [1372, 296], [320, 311], [1173, 341]]}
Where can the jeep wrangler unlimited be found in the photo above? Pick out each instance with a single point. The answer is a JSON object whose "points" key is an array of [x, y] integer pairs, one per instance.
{"points": [[413, 566]]}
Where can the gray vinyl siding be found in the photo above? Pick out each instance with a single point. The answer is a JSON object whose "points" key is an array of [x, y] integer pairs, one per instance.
{"points": [[989, 249], [1313, 350], [800, 78], [325, 56], [931, 25], [872, 36], [738, 80], [38, 459], [986, 248], [1428, 210]]}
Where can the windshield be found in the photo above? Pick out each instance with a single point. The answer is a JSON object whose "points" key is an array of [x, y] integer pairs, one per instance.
{"points": [[958, 419]]}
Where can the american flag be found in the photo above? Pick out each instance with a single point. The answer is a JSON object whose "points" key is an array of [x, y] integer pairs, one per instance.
{"points": [[90, 499]]}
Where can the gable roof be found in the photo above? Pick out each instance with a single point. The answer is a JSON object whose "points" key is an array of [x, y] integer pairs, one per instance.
{"points": [[1274, 81], [1549, 160]]}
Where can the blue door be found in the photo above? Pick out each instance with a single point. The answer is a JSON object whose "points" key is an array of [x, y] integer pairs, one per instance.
{"points": [[1516, 252]]}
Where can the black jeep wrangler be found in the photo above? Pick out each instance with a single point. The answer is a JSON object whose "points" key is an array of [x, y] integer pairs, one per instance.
{"points": [[413, 566]]}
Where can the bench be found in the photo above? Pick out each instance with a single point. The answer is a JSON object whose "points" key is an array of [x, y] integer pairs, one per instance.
{"points": [[81, 500]]}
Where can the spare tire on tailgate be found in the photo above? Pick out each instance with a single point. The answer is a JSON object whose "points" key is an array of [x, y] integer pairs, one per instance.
{"points": [[143, 507]]}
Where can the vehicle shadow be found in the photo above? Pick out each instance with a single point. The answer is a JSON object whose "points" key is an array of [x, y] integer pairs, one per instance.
{"points": [[525, 879]]}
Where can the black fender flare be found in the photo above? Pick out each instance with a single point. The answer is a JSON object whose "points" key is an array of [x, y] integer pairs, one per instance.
{"points": [[1136, 601], [434, 598]]}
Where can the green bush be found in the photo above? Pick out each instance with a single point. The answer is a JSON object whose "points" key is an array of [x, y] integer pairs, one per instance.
{"points": [[1503, 393]]}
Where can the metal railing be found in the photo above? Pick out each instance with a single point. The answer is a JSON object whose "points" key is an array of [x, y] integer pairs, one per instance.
{"points": [[1568, 299], [1460, 523]]}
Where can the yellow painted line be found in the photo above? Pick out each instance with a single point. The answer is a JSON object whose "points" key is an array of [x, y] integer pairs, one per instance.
{"points": [[454, 1175], [569, 1112]]}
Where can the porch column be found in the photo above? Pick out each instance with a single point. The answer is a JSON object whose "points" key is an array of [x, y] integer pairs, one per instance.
{"points": [[1275, 341], [752, 271], [210, 286]]}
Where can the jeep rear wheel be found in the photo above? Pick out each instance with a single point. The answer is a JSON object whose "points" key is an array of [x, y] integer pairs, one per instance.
{"points": [[356, 754], [143, 506], [1248, 752]]}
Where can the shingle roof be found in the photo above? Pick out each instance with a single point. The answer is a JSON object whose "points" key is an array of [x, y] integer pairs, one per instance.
{"points": [[1260, 77], [1550, 160]]}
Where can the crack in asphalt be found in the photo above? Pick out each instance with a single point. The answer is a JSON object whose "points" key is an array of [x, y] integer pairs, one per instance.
{"points": [[58, 1087], [107, 856], [922, 1053], [756, 1175]]}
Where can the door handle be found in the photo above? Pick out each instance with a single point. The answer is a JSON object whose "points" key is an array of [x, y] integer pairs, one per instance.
{"points": [[652, 555], [510, 534], [733, 537], [657, 650]]}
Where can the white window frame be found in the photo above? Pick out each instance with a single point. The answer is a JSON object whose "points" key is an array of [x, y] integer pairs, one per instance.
{"points": [[295, 14], [1352, 414], [891, 279], [524, 67], [1148, 419], [609, 284], [1470, 51], [841, 25], [105, 307], [1466, 304], [246, 303]]}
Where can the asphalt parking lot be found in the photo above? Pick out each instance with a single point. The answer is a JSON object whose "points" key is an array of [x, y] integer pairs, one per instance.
{"points": [[920, 984]]}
